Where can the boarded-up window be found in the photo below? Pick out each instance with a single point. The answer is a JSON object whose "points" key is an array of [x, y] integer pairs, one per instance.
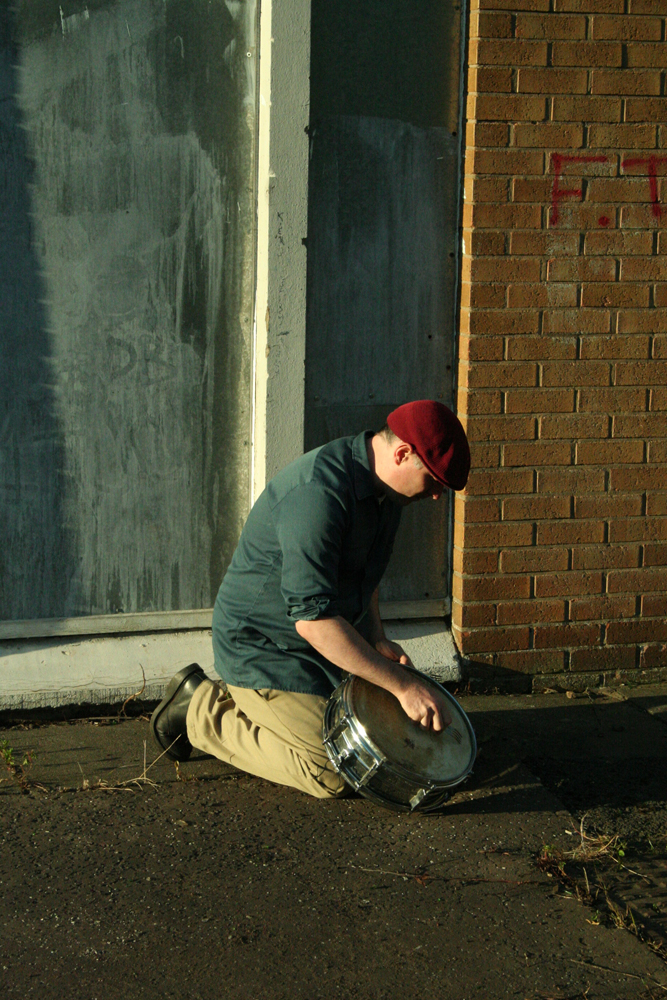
{"points": [[127, 144]]}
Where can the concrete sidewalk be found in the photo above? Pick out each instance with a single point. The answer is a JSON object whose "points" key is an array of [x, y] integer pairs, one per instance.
{"points": [[210, 883]]}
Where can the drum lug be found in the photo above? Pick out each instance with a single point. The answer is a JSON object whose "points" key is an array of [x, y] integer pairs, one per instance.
{"points": [[375, 766], [336, 754], [335, 733], [341, 755], [419, 797]]}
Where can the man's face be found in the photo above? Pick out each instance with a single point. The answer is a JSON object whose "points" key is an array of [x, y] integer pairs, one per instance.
{"points": [[417, 483]]}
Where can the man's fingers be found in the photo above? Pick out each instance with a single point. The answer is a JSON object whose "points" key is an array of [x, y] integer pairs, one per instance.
{"points": [[435, 719], [428, 711], [429, 719]]}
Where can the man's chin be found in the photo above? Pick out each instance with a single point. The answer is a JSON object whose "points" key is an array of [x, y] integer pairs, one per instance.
{"points": [[406, 501], [401, 499], [397, 498], [421, 496]]}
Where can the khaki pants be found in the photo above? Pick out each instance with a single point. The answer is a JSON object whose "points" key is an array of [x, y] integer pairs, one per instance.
{"points": [[276, 735]]}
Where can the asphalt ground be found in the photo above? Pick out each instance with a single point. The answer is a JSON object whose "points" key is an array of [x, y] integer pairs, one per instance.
{"points": [[123, 878]]}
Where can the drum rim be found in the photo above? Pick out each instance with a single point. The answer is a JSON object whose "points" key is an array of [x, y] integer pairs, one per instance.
{"points": [[345, 692]]}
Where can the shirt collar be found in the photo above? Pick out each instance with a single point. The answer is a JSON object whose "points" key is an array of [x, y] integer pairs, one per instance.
{"points": [[363, 477]]}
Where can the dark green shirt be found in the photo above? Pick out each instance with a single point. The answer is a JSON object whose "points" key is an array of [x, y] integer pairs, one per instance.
{"points": [[315, 545]]}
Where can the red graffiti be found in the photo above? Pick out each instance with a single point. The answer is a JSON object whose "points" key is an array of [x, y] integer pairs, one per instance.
{"points": [[651, 162], [558, 193]]}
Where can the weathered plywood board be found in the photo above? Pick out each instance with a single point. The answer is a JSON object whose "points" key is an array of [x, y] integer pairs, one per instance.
{"points": [[127, 134], [382, 238]]}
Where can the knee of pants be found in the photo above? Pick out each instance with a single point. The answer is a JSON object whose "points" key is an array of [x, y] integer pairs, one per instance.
{"points": [[331, 784]]}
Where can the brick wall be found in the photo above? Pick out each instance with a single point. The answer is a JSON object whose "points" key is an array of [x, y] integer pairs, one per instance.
{"points": [[560, 558]]}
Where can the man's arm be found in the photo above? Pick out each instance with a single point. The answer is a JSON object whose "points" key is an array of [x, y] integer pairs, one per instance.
{"points": [[376, 629], [341, 644], [383, 645]]}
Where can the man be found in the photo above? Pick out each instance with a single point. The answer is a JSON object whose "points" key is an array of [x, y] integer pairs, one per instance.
{"points": [[299, 603]]}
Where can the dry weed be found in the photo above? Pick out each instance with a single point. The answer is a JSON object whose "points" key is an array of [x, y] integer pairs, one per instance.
{"points": [[601, 854], [140, 781]]}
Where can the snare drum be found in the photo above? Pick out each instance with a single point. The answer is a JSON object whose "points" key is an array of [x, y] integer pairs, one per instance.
{"points": [[389, 758]]}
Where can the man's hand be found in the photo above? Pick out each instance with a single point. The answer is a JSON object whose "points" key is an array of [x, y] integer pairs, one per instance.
{"points": [[424, 705], [393, 651], [421, 703]]}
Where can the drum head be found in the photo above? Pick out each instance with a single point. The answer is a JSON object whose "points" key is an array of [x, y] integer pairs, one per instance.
{"points": [[436, 756]]}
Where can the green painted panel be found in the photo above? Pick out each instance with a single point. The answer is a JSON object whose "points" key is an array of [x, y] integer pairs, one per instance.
{"points": [[127, 144], [384, 198]]}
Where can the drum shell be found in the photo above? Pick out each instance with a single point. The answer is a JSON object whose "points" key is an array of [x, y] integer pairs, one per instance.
{"points": [[357, 757]]}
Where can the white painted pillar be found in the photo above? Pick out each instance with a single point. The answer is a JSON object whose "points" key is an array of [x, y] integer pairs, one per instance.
{"points": [[282, 226]]}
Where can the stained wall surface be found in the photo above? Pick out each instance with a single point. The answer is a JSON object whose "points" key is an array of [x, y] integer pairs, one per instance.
{"points": [[126, 277], [382, 237], [560, 559]]}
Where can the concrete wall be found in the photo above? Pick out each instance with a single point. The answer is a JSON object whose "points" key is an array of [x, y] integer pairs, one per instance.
{"points": [[106, 670], [560, 553]]}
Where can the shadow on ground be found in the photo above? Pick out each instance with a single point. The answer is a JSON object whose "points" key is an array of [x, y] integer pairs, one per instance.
{"points": [[604, 756]]}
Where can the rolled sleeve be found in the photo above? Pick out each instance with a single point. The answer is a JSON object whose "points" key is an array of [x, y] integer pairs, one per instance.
{"points": [[310, 524]]}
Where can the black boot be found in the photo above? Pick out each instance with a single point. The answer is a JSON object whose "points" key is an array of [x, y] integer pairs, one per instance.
{"points": [[168, 723]]}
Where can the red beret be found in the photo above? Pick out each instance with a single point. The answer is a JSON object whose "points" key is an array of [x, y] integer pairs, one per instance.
{"points": [[437, 436]]}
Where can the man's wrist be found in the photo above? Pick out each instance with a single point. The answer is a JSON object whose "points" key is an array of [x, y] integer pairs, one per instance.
{"points": [[398, 679]]}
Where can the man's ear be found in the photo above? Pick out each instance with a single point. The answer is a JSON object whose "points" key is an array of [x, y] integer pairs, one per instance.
{"points": [[402, 453]]}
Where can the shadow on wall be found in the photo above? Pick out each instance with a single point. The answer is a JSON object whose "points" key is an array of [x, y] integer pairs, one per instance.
{"points": [[485, 677], [32, 531]]}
